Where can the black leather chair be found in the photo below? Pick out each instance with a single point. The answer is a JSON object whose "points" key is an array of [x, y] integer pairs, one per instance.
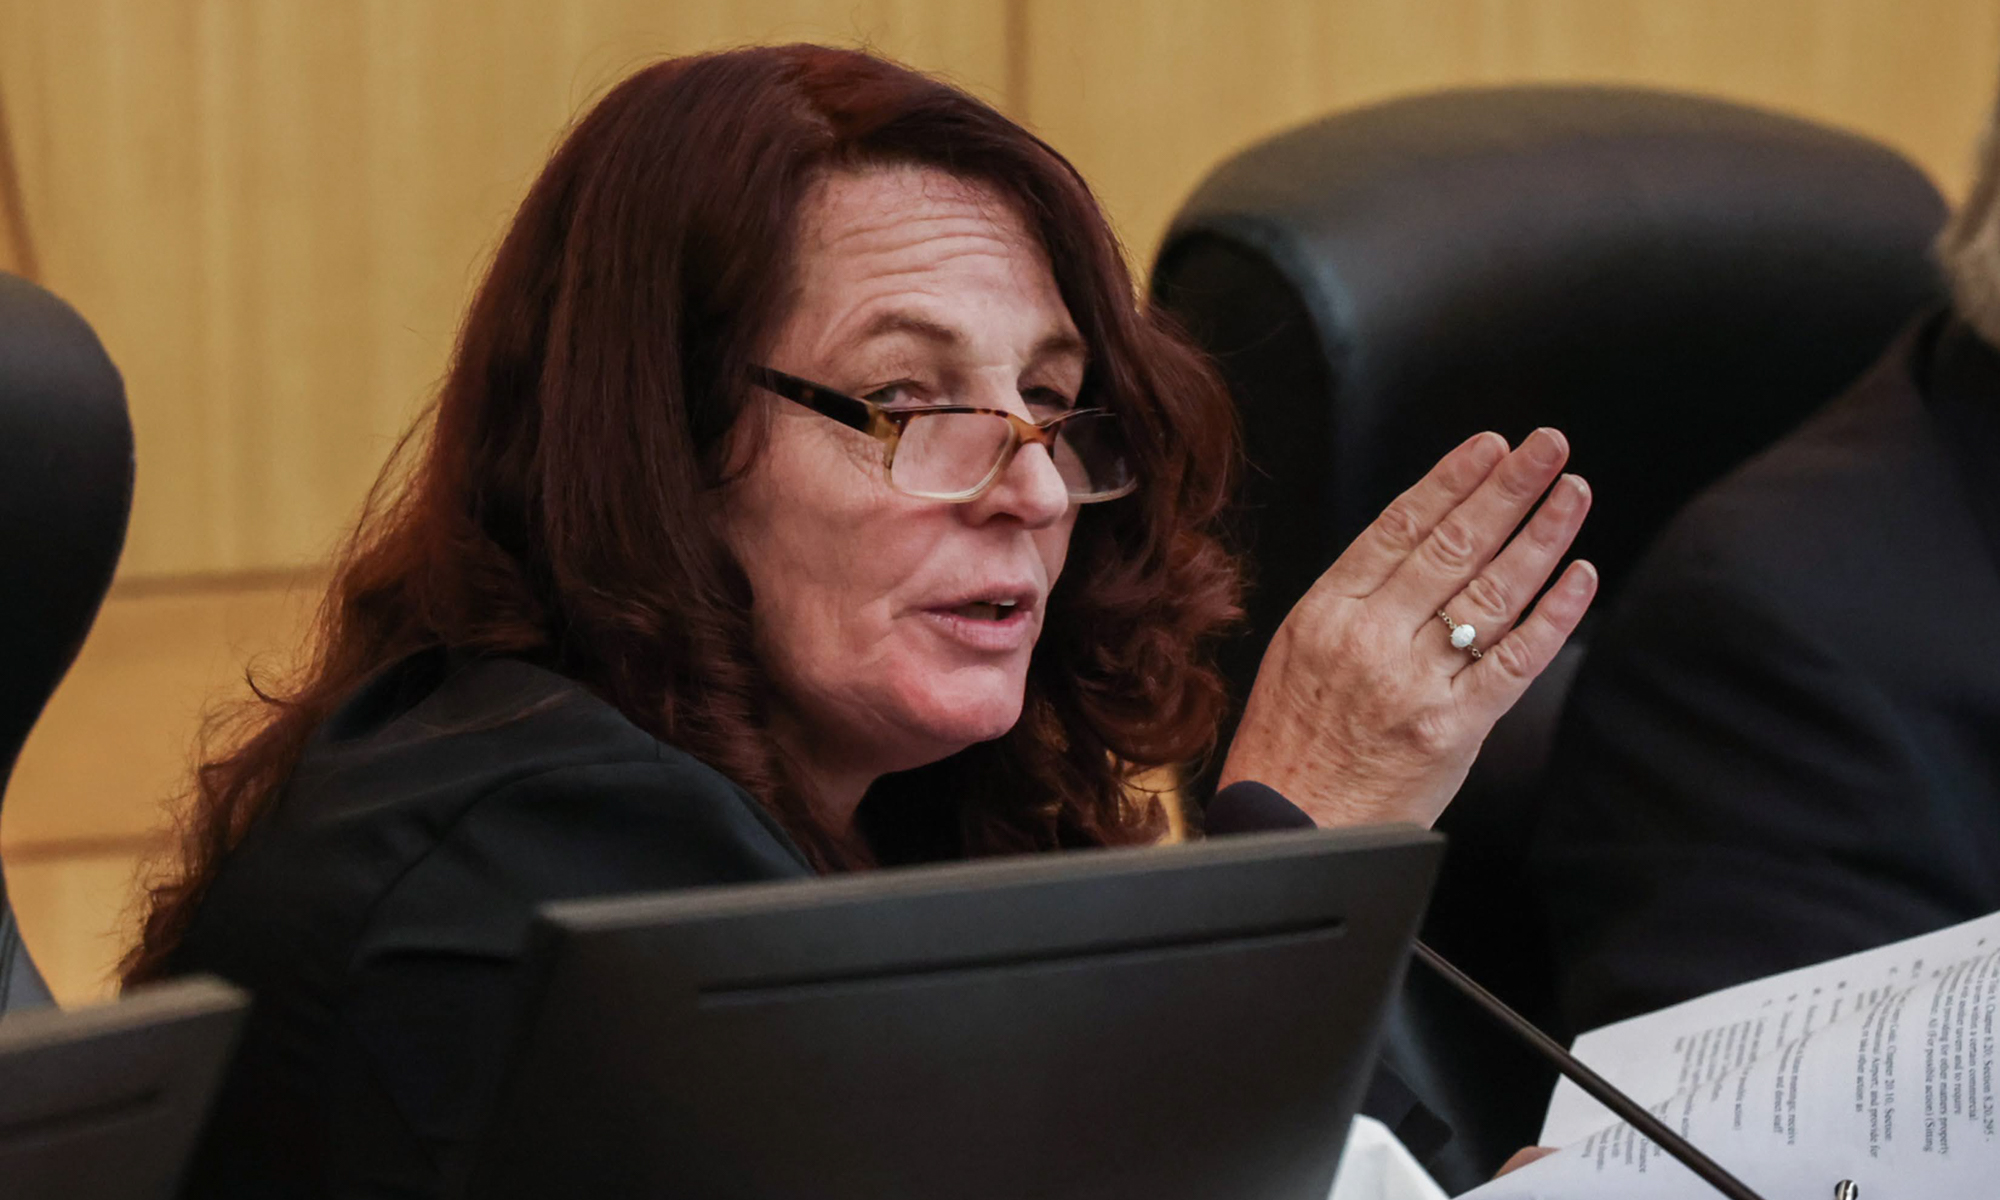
{"points": [[1673, 281], [65, 493]]}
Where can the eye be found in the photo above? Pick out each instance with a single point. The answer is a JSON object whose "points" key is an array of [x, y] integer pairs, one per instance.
{"points": [[904, 394], [1047, 402]]}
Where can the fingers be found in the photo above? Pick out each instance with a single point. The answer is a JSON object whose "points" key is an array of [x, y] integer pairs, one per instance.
{"points": [[1497, 596], [1523, 1157], [1403, 526], [1464, 539], [1492, 685]]}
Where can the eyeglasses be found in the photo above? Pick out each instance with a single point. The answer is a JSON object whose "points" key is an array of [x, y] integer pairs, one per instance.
{"points": [[955, 452]]}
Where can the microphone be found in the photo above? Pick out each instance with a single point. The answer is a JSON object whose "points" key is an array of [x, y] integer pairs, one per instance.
{"points": [[1250, 807]]}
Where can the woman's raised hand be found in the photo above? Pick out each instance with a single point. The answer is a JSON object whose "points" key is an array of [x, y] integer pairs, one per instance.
{"points": [[1364, 710]]}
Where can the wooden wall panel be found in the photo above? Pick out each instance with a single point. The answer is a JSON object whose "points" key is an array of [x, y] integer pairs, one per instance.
{"points": [[16, 255], [86, 806], [273, 211], [118, 738], [77, 915], [1146, 95]]}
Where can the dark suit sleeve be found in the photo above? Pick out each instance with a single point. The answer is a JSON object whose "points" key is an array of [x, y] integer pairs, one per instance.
{"points": [[433, 1003], [1731, 798]]}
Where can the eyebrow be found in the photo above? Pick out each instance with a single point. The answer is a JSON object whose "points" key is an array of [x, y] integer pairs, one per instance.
{"points": [[1052, 345]]}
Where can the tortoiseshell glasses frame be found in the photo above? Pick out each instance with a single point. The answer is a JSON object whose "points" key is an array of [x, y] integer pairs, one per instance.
{"points": [[958, 460]]}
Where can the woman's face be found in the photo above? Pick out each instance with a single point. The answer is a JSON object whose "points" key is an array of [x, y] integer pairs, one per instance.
{"points": [[874, 610]]}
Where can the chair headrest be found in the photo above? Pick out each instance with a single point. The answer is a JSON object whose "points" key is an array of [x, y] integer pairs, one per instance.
{"points": [[65, 495], [1672, 280]]}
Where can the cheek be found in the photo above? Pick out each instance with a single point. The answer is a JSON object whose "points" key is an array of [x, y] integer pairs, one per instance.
{"points": [[826, 549], [1052, 544], [832, 591]]}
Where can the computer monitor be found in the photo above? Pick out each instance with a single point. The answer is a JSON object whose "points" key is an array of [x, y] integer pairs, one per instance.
{"points": [[105, 1103], [1172, 1023]]}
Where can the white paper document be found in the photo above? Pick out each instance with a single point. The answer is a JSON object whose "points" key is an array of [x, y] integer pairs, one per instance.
{"points": [[1877, 1068], [1375, 1166]]}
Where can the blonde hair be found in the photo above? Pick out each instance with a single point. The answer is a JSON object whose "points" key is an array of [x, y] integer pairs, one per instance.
{"points": [[1969, 247]]}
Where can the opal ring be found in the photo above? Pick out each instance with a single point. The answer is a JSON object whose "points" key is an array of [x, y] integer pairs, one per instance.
{"points": [[1461, 636]]}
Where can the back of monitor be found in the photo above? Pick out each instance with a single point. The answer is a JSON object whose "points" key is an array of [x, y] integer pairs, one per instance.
{"points": [[105, 1103], [1187, 1022]]}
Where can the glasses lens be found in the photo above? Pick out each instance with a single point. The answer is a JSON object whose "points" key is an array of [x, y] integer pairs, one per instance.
{"points": [[946, 455], [1091, 456], [951, 455]]}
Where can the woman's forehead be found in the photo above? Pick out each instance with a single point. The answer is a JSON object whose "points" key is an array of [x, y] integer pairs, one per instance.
{"points": [[885, 250], [878, 209]]}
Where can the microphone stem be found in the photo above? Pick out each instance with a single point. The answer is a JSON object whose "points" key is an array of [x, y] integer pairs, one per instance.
{"points": [[1590, 1081]]}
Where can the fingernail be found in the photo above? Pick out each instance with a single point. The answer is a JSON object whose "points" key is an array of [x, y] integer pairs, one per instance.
{"points": [[1549, 447], [1488, 445], [1582, 578], [1577, 486]]}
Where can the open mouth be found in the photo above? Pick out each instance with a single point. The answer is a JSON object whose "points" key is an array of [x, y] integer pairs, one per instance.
{"points": [[987, 610]]}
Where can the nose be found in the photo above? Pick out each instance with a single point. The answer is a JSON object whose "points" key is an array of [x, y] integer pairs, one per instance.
{"points": [[1030, 490]]}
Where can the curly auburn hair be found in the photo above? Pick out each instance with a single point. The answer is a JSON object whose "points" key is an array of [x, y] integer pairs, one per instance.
{"points": [[595, 379]]}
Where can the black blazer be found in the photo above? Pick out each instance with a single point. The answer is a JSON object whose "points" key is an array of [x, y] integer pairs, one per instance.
{"points": [[1784, 745], [378, 910]]}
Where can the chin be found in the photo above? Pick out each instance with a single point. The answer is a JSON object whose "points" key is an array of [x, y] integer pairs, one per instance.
{"points": [[953, 719]]}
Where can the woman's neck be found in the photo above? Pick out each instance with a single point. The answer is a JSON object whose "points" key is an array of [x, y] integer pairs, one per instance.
{"points": [[833, 784], [836, 795]]}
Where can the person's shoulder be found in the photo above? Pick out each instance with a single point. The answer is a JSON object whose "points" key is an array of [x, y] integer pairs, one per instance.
{"points": [[523, 788], [502, 712], [436, 734], [433, 744], [516, 776], [1860, 486]]}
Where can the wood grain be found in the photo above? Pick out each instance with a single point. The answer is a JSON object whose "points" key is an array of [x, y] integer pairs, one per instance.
{"points": [[117, 740], [17, 249], [88, 803], [1146, 96], [77, 914]]}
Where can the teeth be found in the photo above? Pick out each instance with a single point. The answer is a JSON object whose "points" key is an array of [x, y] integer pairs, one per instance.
{"points": [[987, 610]]}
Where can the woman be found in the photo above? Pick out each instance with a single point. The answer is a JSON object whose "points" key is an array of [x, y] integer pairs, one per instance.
{"points": [[807, 492]]}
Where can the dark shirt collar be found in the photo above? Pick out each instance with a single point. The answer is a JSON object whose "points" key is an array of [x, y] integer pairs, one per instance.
{"points": [[1963, 393]]}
